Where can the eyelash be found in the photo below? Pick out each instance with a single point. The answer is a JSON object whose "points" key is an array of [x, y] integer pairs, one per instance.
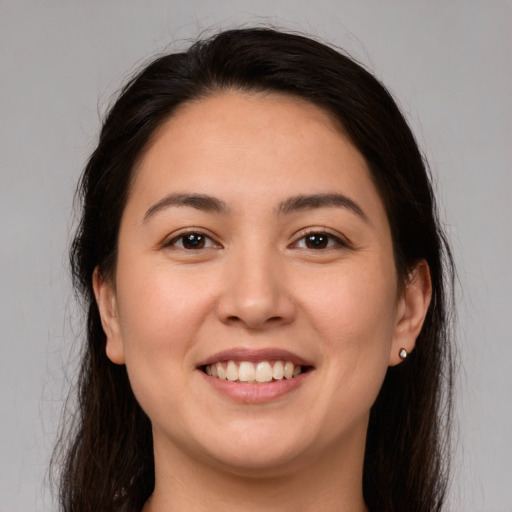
{"points": [[173, 242], [332, 241]]}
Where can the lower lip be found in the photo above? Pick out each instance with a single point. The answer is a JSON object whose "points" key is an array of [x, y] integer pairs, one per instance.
{"points": [[255, 393]]}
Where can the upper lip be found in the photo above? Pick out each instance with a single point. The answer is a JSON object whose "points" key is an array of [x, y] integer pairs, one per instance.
{"points": [[255, 355]]}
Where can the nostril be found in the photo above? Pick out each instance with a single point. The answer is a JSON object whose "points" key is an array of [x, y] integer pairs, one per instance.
{"points": [[254, 308], [233, 319]]}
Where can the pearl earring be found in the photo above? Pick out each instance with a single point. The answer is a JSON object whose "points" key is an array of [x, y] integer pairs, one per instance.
{"points": [[403, 353]]}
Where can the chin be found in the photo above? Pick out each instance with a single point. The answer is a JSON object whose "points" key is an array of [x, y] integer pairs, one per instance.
{"points": [[256, 452], [257, 464]]}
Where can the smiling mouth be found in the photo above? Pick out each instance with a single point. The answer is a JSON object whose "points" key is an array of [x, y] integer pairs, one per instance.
{"points": [[258, 372]]}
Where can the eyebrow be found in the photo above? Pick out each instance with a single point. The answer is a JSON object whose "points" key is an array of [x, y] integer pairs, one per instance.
{"points": [[201, 202], [207, 203], [313, 201]]}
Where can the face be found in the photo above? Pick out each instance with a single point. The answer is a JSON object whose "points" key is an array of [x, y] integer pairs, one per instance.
{"points": [[255, 300]]}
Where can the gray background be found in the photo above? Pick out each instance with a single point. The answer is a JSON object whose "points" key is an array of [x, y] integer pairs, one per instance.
{"points": [[449, 64]]}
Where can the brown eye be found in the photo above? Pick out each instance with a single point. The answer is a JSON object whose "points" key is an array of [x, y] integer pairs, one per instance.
{"points": [[191, 241], [317, 241]]}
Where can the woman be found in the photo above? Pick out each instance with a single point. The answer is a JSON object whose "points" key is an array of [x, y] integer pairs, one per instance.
{"points": [[266, 283]]}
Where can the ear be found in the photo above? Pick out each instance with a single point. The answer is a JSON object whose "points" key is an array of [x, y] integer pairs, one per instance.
{"points": [[107, 304], [411, 311]]}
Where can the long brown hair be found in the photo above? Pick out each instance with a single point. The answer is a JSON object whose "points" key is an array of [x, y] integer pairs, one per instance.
{"points": [[108, 460]]}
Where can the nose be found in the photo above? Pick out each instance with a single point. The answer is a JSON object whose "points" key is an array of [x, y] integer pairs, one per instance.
{"points": [[255, 293]]}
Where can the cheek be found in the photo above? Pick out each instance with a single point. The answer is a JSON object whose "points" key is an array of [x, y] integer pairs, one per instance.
{"points": [[354, 315], [355, 306], [160, 314], [161, 309]]}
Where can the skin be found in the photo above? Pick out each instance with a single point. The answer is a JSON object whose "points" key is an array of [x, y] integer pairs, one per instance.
{"points": [[256, 284]]}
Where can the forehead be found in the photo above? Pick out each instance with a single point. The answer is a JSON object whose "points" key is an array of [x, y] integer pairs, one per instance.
{"points": [[256, 145], [267, 109], [231, 117]]}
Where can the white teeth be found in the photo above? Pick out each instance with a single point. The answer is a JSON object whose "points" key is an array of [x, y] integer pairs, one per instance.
{"points": [[246, 372], [278, 370], [288, 370], [221, 371], [232, 371], [261, 372]]}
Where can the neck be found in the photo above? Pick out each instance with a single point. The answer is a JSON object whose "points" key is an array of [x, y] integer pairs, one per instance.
{"points": [[329, 482]]}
